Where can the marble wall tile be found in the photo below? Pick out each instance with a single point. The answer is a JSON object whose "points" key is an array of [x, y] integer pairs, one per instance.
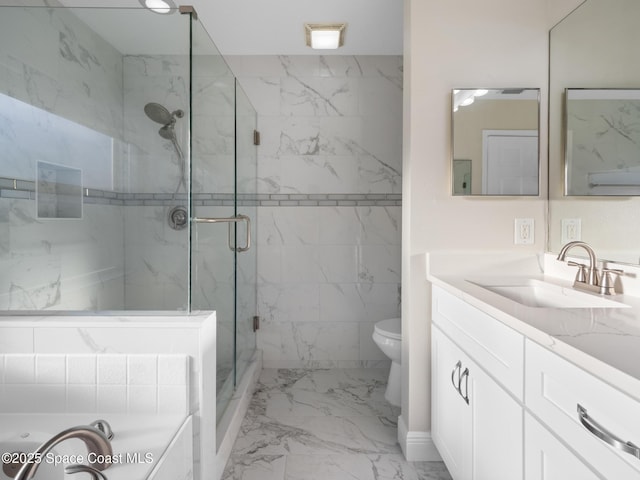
{"points": [[311, 344], [359, 302], [315, 96], [63, 264], [16, 340], [289, 302], [329, 125], [51, 60], [67, 68], [289, 226]]}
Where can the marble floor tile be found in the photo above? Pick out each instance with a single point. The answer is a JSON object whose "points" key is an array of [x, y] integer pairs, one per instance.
{"points": [[328, 424], [321, 435], [432, 471], [255, 467], [349, 467]]}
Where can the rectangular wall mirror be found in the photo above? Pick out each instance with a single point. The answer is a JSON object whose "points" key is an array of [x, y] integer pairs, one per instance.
{"points": [[495, 147], [602, 141], [595, 48]]}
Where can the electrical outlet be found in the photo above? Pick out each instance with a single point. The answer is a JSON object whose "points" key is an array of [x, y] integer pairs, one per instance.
{"points": [[524, 231], [571, 230]]}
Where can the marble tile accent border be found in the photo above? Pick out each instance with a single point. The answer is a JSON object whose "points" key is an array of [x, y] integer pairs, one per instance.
{"points": [[24, 189]]}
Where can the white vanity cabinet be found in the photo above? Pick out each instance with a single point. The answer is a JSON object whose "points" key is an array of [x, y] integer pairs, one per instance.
{"points": [[531, 414], [476, 423]]}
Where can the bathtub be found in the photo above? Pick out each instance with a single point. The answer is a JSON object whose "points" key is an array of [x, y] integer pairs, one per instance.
{"points": [[152, 447], [81, 335]]}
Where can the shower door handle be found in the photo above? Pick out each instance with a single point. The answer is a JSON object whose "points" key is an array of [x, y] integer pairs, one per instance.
{"points": [[230, 221]]}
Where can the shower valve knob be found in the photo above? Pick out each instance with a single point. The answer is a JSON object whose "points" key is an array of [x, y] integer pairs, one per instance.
{"points": [[178, 218]]}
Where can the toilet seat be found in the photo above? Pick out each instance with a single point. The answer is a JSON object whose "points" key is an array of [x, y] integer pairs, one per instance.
{"points": [[391, 328]]}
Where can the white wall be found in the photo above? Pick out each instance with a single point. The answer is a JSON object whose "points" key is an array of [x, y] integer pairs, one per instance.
{"points": [[500, 43]]}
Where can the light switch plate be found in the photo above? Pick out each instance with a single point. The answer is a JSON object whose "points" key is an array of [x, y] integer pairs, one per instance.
{"points": [[524, 231]]}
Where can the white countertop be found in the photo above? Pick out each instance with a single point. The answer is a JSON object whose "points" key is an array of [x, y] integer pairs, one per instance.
{"points": [[603, 341], [138, 444]]}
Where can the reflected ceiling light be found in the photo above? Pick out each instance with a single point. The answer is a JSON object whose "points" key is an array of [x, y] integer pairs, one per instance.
{"points": [[465, 97], [467, 101], [324, 36], [159, 6]]}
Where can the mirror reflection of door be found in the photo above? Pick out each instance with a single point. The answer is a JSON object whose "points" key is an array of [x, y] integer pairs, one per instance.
{"points": [[461, 177], [510, 162]]}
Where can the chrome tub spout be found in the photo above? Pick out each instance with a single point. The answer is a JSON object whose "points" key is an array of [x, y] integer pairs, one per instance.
{"points": [[96, 441]]}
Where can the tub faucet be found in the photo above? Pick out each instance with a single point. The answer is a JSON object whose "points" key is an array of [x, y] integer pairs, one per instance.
{"points": [[97, 444]]}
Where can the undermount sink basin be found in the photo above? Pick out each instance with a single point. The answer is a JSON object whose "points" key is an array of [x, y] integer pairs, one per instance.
{"points": [[540, 294]]}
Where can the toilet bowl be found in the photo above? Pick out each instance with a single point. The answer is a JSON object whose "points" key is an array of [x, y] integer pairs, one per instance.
{"points": [[388, 336]]}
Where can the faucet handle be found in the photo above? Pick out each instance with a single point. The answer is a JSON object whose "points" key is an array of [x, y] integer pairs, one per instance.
{"points": [[608, 283], [104, 427], [581, 275]]}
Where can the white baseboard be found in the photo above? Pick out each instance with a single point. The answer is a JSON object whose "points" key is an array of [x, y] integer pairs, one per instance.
{"points": [[416, 446]]}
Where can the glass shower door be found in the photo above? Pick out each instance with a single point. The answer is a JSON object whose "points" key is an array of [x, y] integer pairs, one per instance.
{"points": [[223, 179]]}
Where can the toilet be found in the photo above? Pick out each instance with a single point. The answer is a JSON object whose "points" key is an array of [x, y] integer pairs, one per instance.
{"points": [[388, 336]]}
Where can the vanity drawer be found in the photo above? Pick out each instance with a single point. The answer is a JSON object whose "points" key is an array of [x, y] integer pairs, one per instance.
{"points": [[555, 388], [498, 348]]}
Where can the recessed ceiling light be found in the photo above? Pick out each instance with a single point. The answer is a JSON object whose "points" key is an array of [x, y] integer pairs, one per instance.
{"points": [[324, 36], [159, 6]]}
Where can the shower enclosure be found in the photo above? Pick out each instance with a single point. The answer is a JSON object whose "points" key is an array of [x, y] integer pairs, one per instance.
{"points": [[127, 171]]}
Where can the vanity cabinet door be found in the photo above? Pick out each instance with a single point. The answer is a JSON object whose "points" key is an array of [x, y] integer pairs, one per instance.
{"points": [[497, 430], [451, 415], [476, 424], [546, 458]]}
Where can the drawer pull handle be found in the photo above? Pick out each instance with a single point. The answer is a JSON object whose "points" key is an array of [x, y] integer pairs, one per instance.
{"points": [[465, 375], [453, 374], [603, 434]]}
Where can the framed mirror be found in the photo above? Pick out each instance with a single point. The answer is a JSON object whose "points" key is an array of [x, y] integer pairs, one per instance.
{"points": [[602, 141], [495, 145]]}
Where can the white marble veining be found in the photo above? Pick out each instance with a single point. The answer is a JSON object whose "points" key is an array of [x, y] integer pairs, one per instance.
{"points": [[319, 424], [603, 341]]}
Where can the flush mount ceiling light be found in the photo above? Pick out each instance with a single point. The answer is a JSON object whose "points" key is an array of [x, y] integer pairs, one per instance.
{"points": [[159, 6], [324, 36]]}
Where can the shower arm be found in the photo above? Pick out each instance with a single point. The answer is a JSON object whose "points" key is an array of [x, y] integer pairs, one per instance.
{"points": [[230, 221]]}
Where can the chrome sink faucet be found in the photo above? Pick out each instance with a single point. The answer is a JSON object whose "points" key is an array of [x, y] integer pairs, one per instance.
{"points": [[588, 278], [96, 441]]}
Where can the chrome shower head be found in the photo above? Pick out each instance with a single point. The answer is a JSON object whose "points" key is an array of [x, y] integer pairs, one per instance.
{"points": [[160, 114], [167, 132]]}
